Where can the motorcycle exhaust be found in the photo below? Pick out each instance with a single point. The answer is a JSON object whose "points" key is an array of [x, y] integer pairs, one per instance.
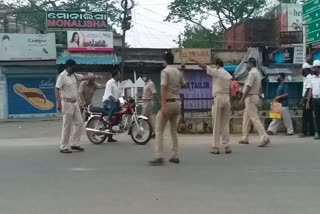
{"points": [[99, 131]]}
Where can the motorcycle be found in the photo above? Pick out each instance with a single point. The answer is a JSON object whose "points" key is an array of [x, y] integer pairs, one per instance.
{"points": [[125, 120]]}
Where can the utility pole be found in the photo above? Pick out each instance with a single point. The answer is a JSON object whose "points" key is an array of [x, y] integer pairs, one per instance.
{"points": [[125, 18], [304, 32]]}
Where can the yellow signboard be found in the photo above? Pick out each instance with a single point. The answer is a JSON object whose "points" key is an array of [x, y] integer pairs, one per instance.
{"points": [[185, 54]]}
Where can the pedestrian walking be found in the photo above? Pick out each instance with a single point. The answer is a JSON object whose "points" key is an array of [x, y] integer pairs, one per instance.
{"points": [[314, 94], [307, 114], [149, 93], [221, 92], [86, 90], [171, 82], [282, 97], [67, 95], [250, 98]]}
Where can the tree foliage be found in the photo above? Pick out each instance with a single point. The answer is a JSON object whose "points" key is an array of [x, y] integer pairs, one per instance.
{"points": [[227, 12], [198, 37]]}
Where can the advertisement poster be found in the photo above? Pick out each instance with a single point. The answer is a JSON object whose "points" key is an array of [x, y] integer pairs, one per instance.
{"points": [[64, 20], [198, 91], [90, 41], [25, 47], [33, 95], [291, 17], [182, 54], [291, 55]]}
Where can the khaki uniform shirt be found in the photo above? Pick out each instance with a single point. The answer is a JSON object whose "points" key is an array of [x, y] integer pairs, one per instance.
{"points": [[87, 92], [221, 81], [254, 81], [148, 91], [174, 80], [68, 85]]}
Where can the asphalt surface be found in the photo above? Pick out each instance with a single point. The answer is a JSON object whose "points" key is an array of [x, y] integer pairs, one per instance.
{"points": [[115, 178]]}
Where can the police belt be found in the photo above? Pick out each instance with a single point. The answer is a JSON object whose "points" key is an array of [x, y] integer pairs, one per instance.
{"points": [[69, 100]]}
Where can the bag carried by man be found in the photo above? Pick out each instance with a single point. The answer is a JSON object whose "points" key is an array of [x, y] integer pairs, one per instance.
{"points": [[275, 110]]}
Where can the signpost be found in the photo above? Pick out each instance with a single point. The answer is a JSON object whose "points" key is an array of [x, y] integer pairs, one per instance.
{"points": [[311, 16]]}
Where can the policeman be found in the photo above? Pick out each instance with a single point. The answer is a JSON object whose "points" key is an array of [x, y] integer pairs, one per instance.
{"points": [[250, 97], [149, 93], [307, 114], [67, 96], [221, 91], [171, 82]]}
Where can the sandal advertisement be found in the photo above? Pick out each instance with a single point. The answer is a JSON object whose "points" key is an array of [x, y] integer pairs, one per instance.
{"points": [[31, 95]]}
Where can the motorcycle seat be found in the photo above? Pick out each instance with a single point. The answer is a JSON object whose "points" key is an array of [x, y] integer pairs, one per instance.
{"points": [[97, 110]]}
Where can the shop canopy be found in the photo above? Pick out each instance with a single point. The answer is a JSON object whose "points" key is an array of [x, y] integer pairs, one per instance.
{"points": [[91, 60]]}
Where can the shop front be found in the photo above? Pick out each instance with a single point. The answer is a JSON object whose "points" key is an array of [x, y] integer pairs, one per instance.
{"points": [[30, 92]]}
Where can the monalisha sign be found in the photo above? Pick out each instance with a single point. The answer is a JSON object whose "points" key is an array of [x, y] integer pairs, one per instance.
{"points": [[63, 20]]}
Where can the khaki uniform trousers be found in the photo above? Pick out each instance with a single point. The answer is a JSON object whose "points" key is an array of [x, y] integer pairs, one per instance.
{"points": [[147, 112], [71, 116], [221, 120], [251, 115], [173, 112]]}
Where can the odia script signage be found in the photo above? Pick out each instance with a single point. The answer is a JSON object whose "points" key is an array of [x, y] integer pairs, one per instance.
{"points": [[62, 20]]}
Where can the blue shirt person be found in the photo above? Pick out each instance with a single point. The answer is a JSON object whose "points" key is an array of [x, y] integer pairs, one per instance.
{"points": [[282, 97], [282, 93]]}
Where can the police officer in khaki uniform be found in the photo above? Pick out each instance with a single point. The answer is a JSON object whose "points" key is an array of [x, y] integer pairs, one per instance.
{"points": [[149, 92], [250, 98], [67, 95], [171, 82], [221, 91]]}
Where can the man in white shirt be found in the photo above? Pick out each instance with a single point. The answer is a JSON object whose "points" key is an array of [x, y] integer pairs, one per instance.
{"points": [[307, 115], [111, 96], [314, 93], [67, 95]]}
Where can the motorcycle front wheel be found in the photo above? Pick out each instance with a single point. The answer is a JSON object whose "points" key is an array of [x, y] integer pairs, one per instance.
{"points": [[141, 133], [95, 123]]}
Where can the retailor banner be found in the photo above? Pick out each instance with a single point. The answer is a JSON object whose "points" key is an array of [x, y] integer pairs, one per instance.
{"points": [[62, 20], [90, 41], [32, 95], [197, 94], [290, 55], [291, 17], [183, 54], [22, 47]]}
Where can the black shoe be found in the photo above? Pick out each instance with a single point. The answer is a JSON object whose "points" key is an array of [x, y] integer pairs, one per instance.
{"points": [[65, 151], [156, 162], [317, 138], [112, 140], [174, 160], [289, 134], [270, 133], [78, 148]]}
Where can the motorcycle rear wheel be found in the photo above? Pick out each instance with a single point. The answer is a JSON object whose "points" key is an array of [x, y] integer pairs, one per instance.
{"points": [[143, 136], [94, 138]]}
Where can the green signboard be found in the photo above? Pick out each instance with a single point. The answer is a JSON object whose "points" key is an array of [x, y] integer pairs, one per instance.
{"points": [[66, 20], [311, 15]]}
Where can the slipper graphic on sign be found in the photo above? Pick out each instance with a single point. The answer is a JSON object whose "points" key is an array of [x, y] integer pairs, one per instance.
{"points": [[34, 96]]}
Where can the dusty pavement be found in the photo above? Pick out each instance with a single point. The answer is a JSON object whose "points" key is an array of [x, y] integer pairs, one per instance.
{"points": [[115, 178]]}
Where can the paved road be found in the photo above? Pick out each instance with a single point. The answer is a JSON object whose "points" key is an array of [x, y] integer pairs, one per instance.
{"points": [[114, 178]]}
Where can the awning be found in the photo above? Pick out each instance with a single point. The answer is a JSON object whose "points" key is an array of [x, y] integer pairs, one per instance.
{"points": [[91, 60]]}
